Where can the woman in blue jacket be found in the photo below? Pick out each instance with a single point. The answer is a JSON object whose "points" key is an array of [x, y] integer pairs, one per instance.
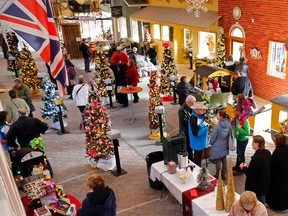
{"points": [[219, 142], [198, 131], [101, 201]]}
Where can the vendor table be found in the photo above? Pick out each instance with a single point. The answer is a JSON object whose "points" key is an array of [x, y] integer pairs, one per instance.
{"points": [[131, 90], [204, 204]]}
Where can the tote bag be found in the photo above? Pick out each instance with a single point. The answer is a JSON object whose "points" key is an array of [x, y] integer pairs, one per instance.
{"points": [[231, 141]]}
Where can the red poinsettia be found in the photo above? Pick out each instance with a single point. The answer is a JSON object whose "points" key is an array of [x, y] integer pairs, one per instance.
{"points": [[166, 44]]}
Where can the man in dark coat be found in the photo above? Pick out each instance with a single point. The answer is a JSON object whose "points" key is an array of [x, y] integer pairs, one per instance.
{"points": [[241, 85], [25, 129], [86, 54], [183, 89], [242, 67], [184, 114]]}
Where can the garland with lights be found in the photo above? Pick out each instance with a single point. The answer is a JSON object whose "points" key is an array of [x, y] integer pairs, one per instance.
{"points": [[168, 69], [221, 50], [98, 144]]}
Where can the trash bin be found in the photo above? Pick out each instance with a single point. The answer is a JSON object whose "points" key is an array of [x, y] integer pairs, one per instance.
{"points": [[151, 158]]}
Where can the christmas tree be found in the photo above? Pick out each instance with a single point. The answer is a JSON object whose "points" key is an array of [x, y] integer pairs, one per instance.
{"points": [[220, 194], [168, 69], [203, 179], [98, 144], [230, 195], [12, 40], [103, 72], [154, 100], [30, 71], [221, 50], [49, 109], [147, 37]]}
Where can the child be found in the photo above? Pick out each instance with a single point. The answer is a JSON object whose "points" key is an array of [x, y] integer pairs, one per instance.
{"points": [[246, 104]]}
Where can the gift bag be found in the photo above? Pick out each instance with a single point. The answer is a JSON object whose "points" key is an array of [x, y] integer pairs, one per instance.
{"points": [[34, 189]]}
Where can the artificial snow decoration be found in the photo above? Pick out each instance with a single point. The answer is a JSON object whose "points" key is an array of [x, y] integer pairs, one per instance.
{"points": [[196, 5]]}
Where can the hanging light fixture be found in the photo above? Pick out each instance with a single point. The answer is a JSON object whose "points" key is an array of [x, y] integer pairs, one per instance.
{"points": [[197, 5]]}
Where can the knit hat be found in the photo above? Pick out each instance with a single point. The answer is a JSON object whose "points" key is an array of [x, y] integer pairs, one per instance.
{"points": [[248, 199]]}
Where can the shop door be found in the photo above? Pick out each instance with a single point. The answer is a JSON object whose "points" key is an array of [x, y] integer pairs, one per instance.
{"points": [[72, 38]]}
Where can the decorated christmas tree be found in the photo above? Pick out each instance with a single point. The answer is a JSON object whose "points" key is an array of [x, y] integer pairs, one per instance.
{"points": [[203, 179], [98, 144], [147, 37], [221, 50], [168, 69], [30, 71], [154, 100], [230, 195], [210, 114], [12, 41], [220, 194], [49, 109], [103, 72]]}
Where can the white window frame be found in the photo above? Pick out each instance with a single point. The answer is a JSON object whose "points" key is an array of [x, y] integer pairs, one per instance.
{"points": [[156, 32], [134, 30], [165, 33], [122, 27], [277, 60]]}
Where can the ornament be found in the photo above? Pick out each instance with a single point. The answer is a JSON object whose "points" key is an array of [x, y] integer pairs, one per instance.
{"points": [[197, 5]]}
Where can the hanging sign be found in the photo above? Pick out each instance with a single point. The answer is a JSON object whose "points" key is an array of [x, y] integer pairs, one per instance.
{"points": [[116, 11]]}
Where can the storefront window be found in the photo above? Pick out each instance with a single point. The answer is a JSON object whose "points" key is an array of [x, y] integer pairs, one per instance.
{"points": [[165, 33], [134, 30], [187, 38], [277, 59], [122, 27], [156, 31], [207, 44]]}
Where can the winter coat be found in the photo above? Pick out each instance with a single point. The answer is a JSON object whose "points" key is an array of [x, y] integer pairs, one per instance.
{"points": [[230, 65], [183, 90], [219, 139], [258, 173], [277, 197], [184, 114], [258, 210], [24, 92], [152, 54], [99, 203], [198, 132], [13, 106], [81, 96], [243, 68], [242, 85], [241, 134], [123, 58], [115, 57], [84, 49], [132, 75], [25, 129]]}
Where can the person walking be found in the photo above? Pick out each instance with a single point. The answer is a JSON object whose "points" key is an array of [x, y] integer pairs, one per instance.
{"points": [[183, 89], [132, 77], [152, 55], [71, 76], [242, 67], [198, 131], [80, 95], [258, 171], [24, 92], [241, 133], [101, 200], [277, 197], [14, 105], [241, 85], [230, 64], [84, 49], [184, 114], [219, 143]]}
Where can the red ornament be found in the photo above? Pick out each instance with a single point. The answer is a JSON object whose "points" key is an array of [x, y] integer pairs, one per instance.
{"points": [[166, 44], [286, 48]]}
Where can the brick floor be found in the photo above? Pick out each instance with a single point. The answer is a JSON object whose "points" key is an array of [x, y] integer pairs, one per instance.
{"points": [[67, 153]]}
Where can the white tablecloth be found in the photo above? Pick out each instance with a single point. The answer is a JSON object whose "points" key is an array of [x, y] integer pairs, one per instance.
{"points": [[171, 181], [206, 205]]}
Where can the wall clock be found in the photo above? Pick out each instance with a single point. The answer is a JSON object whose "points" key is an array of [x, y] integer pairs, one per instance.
{"points": [[236, 13]]}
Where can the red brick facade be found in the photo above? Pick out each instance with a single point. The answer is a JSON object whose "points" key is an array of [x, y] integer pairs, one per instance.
{"points": [[270, 24]]}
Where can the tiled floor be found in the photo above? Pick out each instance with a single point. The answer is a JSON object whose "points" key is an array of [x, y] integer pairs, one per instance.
{"points": [[72, 167]]}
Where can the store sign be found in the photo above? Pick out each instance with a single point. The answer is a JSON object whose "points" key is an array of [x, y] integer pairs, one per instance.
{"points": [[116, 11]]}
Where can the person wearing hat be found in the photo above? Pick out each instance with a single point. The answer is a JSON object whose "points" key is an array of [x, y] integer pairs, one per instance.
{"points": [[184, 114], [198, 131], [24, 92], [25, 129], [248, 205]]}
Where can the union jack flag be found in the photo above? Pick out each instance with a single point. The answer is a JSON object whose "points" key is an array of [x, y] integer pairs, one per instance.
{"points": [[34, 22]]}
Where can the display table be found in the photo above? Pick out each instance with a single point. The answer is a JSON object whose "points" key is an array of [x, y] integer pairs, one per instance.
{"points": [[172, 182], [131, 90]]}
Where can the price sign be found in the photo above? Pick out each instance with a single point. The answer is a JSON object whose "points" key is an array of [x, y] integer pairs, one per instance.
{"points": [[116, 11]]}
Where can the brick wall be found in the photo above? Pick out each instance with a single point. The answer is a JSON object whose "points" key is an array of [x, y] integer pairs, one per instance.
{"points": [[270, 23]]}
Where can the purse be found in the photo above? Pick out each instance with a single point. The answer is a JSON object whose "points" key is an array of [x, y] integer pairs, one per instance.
{"points": [[231, 141]]}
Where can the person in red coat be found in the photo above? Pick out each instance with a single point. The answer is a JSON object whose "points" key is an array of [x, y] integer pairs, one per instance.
{"points": [[132, 77], [123, 57]]}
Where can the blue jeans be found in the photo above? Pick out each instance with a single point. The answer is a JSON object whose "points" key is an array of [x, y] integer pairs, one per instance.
{"points": [[241, 147], [86, 63]]}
